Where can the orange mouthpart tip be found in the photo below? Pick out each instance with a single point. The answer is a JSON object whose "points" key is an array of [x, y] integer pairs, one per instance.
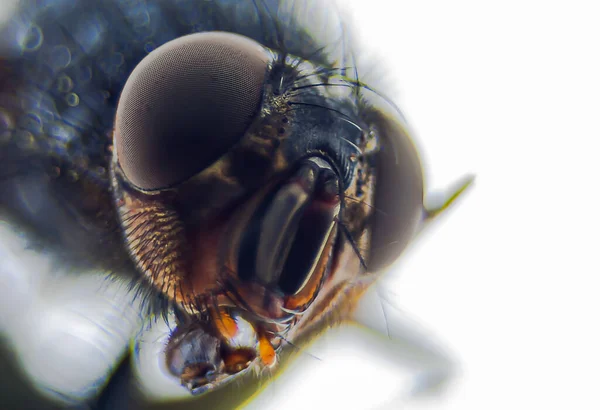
{"points": [[225, 324], [266, 351]]}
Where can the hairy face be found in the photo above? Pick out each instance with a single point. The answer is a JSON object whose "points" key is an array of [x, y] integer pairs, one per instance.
{"points": [[231, 163]]}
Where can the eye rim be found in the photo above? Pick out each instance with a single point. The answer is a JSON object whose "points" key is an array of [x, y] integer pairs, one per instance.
{"points": [[128, 150]]}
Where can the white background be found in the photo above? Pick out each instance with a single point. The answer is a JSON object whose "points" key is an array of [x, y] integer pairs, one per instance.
{"points": [[508, 90], [508, 279]]}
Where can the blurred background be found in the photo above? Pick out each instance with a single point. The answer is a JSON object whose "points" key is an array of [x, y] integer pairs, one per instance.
{"points": [[507, 281]]}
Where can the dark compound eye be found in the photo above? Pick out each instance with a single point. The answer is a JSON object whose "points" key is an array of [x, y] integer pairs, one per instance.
{"points": [[186, 104], [399, 194]]}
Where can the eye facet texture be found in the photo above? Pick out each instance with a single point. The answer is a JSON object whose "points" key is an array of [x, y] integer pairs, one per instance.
{"points": [[186, 104]]}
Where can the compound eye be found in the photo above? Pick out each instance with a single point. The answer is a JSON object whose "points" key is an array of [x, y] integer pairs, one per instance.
{"points": [[399, 192], [186, 104]]}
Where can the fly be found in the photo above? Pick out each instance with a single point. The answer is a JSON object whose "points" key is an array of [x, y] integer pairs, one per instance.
{"points": [[223, 157]]}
